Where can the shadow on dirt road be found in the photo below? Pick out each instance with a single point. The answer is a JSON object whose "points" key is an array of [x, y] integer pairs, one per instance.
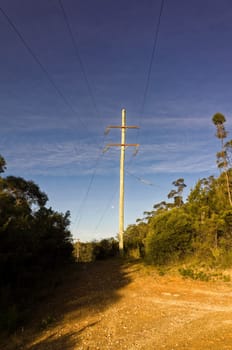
{"points": [[87, 290]]}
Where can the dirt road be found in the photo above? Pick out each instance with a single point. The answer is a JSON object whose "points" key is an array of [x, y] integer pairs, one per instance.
{"points": [[109, 305]]}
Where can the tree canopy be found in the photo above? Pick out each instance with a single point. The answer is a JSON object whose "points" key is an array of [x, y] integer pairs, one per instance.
{"points": [[34, 239]]}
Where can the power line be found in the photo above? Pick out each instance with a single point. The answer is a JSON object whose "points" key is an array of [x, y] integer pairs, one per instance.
{"points": [[154, 49], [77, 54], [140, 179], [83, 202], [92, 98], [106, 209], [144, 181], [44, 70]]}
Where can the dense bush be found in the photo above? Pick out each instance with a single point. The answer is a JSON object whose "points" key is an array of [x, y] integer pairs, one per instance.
{"points": [[106, 248], [34, 241], [170, 237], [134, 240], [96, 250]]}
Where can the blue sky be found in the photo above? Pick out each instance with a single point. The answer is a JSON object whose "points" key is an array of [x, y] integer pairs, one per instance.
{"points": [[53, 118]]}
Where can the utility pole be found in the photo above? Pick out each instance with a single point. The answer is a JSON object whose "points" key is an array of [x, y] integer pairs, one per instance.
{"points": [[123, 145]]}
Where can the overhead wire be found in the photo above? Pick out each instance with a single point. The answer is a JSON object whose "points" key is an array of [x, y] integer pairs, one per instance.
{"points": [[78, 218], [106, 209], [140, 179], [149, 71], [39, 63], [75, 44], [77, 54], [154, 50]]}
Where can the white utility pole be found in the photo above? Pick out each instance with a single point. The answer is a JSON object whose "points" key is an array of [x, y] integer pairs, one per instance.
{"points": [[123, 146], [121, 181]]}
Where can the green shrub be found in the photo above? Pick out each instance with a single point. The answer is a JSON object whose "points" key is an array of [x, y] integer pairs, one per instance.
{"points": [[106, 248], [202, 275], [170, 237], [195, 275]]}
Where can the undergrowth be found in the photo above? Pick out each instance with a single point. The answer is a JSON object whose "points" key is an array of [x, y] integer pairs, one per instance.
{"points": [[203, 275]]}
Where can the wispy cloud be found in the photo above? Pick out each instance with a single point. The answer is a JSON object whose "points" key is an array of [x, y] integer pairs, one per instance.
{"points": [[177, 123], [192, 157], [67, 158], [80, 158], [191, 164]]}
